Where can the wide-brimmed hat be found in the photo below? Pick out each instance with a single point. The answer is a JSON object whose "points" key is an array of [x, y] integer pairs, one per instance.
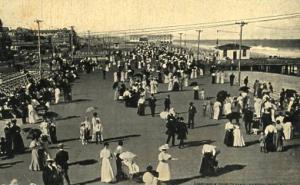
{"points": [[164, 147]]}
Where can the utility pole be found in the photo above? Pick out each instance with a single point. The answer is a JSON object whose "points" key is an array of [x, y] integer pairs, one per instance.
{"points": [[180, 34], [242, 23], [39, 46], [89, 42], [125, 40], [198, 51], [217, 42], [72, 44]]}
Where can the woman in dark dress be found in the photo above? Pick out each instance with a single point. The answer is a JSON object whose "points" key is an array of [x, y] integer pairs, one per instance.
{"points": [[196, 92], [228, 140], [141, 106], [270, 138], [279, 137], [209, 163], [17, 141], [52, 132]]}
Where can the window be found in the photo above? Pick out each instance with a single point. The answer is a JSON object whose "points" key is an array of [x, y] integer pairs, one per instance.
{"points": [[244, 52], [224, 53]]}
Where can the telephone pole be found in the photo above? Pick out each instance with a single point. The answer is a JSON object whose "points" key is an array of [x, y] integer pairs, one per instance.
{"points": [[89, 42], [180, 34], [242, 23], [39, 46], [72, 44], [198, 51]]}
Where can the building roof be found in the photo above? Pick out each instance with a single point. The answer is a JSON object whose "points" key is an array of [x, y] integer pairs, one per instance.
{"points": [[231, 46]]}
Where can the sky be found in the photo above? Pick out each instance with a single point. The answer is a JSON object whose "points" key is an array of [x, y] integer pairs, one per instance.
{"points": [[107, 15]]}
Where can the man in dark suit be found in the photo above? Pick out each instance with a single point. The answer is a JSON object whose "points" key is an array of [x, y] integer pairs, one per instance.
{"points": [[152, 104], [191, 115], [167, 103], [248, 119], [231, 78], [171, 129], [61, 160]]}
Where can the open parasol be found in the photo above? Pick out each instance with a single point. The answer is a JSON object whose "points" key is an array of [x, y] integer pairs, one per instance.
{"points": [[127, 155], [90, 109], [164, 115], [244, 89]]}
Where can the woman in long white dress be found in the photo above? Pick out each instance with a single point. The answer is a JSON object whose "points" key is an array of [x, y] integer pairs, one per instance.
{"points": [[107, 172], [56, 95], [115, 76], [122, 76], [222, 77], [170, 85], [257, 107], [216, 107], [152, 87], [35, 161], [238, 140], [218, 77], [287, 130], [186, 80], [32, 114], [163, 168]]}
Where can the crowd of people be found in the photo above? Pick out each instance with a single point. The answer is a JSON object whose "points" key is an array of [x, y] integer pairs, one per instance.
{"points": [[136, 75]]}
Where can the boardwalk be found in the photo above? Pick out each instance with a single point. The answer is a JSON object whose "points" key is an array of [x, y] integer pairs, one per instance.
{"points": [[143, 135]]}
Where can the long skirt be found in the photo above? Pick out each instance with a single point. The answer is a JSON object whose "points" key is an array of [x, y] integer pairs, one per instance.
{"points": [[35, 162], [279, 141], [238, 140], [107, 173], [208, 165], [176, 86], [164, 173], [141, 109], [228, 140], [196, 95], [270, 142], [287, 130], [216, 113]]}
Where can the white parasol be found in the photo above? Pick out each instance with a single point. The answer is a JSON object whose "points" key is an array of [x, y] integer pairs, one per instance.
{"points": [[90, 109], [164, 115], [127, 155]]}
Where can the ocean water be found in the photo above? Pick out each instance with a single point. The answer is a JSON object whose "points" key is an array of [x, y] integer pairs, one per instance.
{"points": [[263, 48]]}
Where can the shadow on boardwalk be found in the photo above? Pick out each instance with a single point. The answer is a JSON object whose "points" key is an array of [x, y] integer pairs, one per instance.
{"points": [[229, 168], [198, 143], [120, 138], [10, 164], [84, 162], [182, 180], [208, 125]]}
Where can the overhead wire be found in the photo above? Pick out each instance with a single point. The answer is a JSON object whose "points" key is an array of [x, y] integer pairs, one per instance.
{"points": [[249, 20]]}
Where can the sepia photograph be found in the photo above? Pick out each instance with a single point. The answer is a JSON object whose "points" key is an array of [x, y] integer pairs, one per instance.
{"points": [[149, 92]]}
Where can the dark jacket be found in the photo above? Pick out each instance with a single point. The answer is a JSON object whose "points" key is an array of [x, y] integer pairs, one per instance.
{"points": [[192, 111], [152, 102], [248, 115], [167, 102], [62, 158]]}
